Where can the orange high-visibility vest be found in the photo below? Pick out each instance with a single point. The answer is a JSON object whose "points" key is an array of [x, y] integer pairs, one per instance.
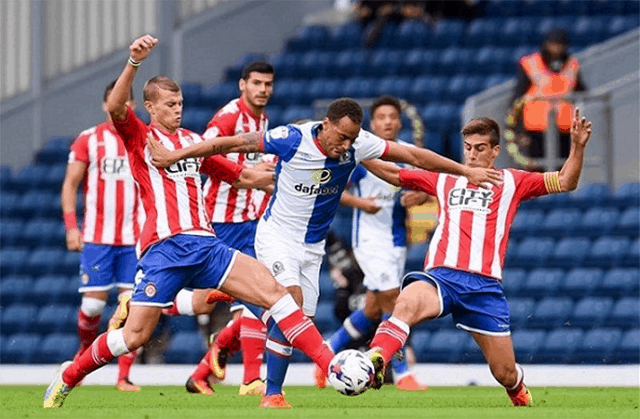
{"points": [[548, 84]]}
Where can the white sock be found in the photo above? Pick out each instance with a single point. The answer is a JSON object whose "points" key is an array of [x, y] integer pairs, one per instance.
{"points": [[283, 308], [184, 302], [92, 307], [402, 325], [116, 343]]}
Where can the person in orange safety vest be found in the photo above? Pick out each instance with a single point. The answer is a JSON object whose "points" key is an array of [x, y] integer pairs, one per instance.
{"points": [[544, 80]]}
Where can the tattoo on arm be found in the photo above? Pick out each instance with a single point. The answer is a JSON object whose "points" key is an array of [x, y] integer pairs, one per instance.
{"points": [[250, 144]]}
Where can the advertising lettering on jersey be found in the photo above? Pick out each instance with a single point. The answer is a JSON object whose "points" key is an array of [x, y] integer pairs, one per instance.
{"points": [[463, 199], [320, 177], [189, 167], [115, 168]]}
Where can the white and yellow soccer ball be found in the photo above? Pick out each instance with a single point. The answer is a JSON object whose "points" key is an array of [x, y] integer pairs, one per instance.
{"points": [[351, 372]]}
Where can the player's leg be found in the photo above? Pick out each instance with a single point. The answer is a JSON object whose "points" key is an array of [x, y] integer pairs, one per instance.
{"points": [[125, 272], [253, 337], [96, 279]]}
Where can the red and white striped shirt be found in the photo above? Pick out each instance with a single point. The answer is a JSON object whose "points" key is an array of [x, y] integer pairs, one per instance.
{"points": [[224, 203], [172, 197], [111, 207], [474, 223]]}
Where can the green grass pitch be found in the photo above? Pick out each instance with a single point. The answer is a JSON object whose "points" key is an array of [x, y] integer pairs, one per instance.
{"points": [[308, 402]]}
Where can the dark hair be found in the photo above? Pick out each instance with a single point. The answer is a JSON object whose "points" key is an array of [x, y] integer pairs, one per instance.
{"points": [[110, 87], [258, 67], [483, 126], [342, 107], [557, 36], [385, 100], [150, 92]]}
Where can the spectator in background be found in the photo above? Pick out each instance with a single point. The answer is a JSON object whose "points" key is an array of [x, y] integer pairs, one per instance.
{"points": [[545, 79], [379, 13]]}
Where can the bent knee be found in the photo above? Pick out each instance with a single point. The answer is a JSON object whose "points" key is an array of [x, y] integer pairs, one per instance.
{"points": [[507, 375]]}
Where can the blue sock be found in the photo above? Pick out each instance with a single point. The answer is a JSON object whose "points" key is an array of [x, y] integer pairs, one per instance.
{"points": [[354, 327], [278, 354], [399, 367]]}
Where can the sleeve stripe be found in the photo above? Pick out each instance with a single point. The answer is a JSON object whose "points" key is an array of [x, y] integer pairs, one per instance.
{"points": [[552, 182]]}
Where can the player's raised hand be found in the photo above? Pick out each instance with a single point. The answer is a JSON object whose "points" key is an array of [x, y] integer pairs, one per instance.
{"points": [[370, 205], [580, 129], [160, 156], [74, 240], [141, 47], [482, 177]]}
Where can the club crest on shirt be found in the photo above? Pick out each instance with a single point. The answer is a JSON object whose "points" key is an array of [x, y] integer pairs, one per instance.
{"points": [[345, 158], [84, 278], [150, 290], [321, 176], [278, 133], [463, 199]]}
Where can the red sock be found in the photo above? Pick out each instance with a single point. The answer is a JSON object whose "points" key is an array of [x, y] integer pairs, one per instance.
{"points": [[253, 336], [124, 365], [302, 334], [229, 337], [87, 330], [93, 358], [389, 338], [202, 371]]}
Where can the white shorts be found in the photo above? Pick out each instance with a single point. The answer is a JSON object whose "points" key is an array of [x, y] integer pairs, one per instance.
{"points": [[291, 262], [383, 267]]}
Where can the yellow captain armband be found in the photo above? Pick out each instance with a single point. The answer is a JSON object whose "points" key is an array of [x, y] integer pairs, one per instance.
{"points": [[552, 182]]}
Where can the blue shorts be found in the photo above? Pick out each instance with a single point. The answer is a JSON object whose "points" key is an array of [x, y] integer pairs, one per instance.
{"points": [[476, 303], [240, 236], [178, 262], [104, 266]]}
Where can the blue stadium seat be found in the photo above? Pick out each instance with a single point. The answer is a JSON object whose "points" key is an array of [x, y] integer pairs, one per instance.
{"points": [[628, 351], [625, 313], [456, 89], [19, 318], [517, 31], [445, 346], [551, 202], [293, 113], [286, 65], [439, 323], [520, 311], [196, 119], [588, 30], [551, 312], [629, 222], [45, 261], [526, 344], [185, 348], [559, 346], [513, 280], [51, 289], [627, 195], [53, 152], [415, 257], [191, 94], [386, 62], [325, 89], [632, 256], [456, 61], [526, 223], [598, 221], [621, 24], [30, 177], [413, 34], [434, 141], [31, 203], [327, 290], [6, 177], [15, 289], [310, 37], [608, 251], [542, 282], [512, 252], [41, 232], [598, 346], [591, 311], [315, 64], [9, 205], [352, 62], [55, 348], [325, 320], [570, 252], [560, 222], [394, 86], [427, 89], [581, 282], [13, 260], [449, 32], [482, 31], [359, 87], [217, 94], [10, 231], [533, 252], [420, 61], [19, 348], [420, 342], [70, 265], [182, 324], [620, 282], [595, 194], [494, 80], [56, 318]]}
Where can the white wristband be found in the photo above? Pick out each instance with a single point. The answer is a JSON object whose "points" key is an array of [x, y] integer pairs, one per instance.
{"points": [[134, 62]]}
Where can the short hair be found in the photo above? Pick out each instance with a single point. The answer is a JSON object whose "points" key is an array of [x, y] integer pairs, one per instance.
{"points": [[258, 67], [342, 107], [110, 87], [385, 100], [150, 92], [483, 126]]}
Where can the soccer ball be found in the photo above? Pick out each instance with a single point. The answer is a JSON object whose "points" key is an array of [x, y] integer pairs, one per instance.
{"points": [[351, 372]]}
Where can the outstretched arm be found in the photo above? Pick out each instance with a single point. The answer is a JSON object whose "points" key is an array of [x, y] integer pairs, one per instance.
{"points": [[242, 143], [388, 172], [580, 134], [429, 160], [367, 205], [254, 179], [117, 101]]}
